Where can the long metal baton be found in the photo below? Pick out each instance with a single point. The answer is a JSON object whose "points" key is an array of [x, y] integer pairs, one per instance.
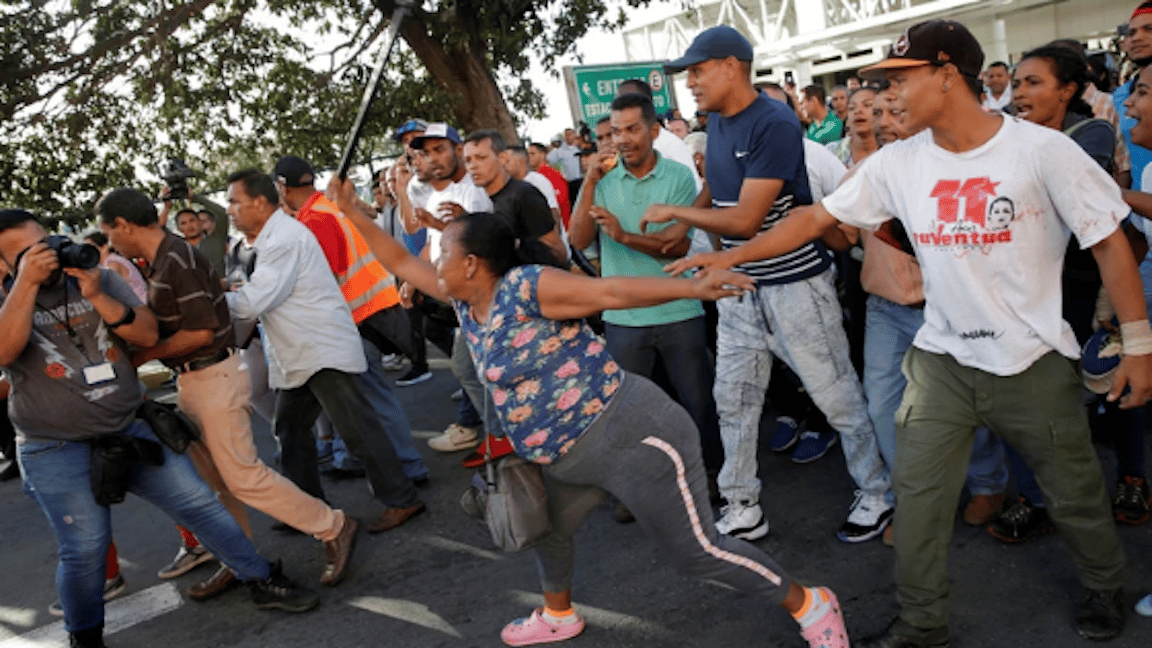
{"points": [[373, 83]]}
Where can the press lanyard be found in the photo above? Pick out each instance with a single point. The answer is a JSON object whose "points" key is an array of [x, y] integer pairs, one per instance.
{"points": [[73, 337]]}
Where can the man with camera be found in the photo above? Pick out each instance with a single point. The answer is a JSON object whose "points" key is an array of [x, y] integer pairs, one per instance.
{"points": [[198, 343], [74, 391]]}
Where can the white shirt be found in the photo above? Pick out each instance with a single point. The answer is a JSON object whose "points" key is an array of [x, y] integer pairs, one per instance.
{"points": [[464, 193], [537, 179], [567, 157], [992, 103], [990, 227], [825, 170], [673, 148], [307, 324]]}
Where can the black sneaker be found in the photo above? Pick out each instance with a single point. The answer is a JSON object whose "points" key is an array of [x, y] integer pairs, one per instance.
{"points": [[1101, 614], [1130, 504], [902, 635], [413, 377], [280, 593], [1020, 522]]}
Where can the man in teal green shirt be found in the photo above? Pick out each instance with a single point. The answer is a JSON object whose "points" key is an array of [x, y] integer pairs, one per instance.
{"points": [[611, 202], [824, 127]]}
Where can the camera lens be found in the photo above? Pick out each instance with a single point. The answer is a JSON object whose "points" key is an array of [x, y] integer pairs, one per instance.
{"points": [[71, 255]]}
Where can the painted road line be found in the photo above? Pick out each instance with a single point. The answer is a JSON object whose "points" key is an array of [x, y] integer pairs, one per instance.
{"points": [[119, 614], [401, 610], [601, 617]]}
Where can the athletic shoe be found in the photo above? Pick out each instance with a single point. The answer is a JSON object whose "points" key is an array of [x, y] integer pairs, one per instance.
{"points": [[535, 629], [1100, 615], [812, 446], [786, 435], [743, 520], [456, 437], [113, 587], [1130, 505], [1021, 521], [392, 362], [185, 561], [279, 592], [1144, 606], [828, 631], [869, 515], [413, 377], [902, 635]]}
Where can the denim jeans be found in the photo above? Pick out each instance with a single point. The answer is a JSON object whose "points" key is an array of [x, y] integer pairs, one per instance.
{"points": [[888, 335], [338, 394], [683, 349], [800, 323], [374, 385], [56, 475]]}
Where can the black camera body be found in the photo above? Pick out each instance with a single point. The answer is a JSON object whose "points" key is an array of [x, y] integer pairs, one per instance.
{"points": [[175, 174], [74, 255]]}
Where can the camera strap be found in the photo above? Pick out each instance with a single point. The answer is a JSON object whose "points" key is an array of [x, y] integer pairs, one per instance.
{"points": [[73, 337]]}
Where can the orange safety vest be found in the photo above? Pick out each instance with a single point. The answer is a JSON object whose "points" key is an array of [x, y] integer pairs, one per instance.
{"points": [[366, 285]]}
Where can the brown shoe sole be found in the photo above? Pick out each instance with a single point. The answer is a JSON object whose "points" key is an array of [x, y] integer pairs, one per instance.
{"points": [[335, 568], [218, 583], [394, 517]]}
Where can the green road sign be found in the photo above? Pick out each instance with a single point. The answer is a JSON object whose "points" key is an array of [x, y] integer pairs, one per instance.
{"points": [[591, 88]]}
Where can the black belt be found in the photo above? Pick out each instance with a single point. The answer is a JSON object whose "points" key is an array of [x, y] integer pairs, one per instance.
{"points": [[197, 364]]}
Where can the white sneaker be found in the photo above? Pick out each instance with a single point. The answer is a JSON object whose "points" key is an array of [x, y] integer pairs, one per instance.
{"points": [[456, 437], [393, 362], [867, 519], [743, 520]]}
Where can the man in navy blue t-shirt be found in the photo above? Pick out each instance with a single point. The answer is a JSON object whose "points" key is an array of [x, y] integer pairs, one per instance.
{"points": [[756, 173]]}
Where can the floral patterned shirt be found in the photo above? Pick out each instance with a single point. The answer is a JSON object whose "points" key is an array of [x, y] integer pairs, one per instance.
{"points": [[549, 379]]}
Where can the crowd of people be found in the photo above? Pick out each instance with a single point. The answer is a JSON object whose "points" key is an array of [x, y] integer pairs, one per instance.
{"points": [[894, 266]]}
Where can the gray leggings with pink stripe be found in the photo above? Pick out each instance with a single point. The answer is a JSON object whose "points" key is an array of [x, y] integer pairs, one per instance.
{"points": [[645, 450]]}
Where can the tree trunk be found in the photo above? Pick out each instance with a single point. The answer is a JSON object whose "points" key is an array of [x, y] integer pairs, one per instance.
{"points": [[462, 70]]}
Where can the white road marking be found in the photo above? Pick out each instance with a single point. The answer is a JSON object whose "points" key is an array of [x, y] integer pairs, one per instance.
{"points": [[119, 614], [598, 616], [455, 545], [402, 610]]}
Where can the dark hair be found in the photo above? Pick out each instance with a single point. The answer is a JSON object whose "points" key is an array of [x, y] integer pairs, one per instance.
{"points": [[129, 204], [539, 147], [97, 237], [998, 64], [1068, 67], [605, 118], [1098, 73], [772, 85], [492, 239], [256, 183], [210, 214], [518, 150], [186, 211], [641, 86], [497, 141], [862, 88], [815, 92], [882, 85], [12, 218], [1068, 43], [636, 100], [840, 86]]}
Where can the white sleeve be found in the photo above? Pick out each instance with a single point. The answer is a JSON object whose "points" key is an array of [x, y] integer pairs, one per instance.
{"points": [[1086, 198], [865, 199]]}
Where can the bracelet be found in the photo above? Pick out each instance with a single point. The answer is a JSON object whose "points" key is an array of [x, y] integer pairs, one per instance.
{"points": [[129, 317], [1137, 337]]}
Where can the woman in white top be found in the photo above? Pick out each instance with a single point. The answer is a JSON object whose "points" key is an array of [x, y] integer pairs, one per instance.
{"points": [[110, 260]]}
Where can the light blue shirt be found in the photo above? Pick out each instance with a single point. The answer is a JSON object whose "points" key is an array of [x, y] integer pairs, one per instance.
{"points": [[307, 324], [1140, 155]]}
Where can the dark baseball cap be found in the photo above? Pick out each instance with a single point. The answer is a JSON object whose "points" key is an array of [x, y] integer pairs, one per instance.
{"points": [[294, 172], [715, 43], [410, 126], [439, 130], [932, 42]]}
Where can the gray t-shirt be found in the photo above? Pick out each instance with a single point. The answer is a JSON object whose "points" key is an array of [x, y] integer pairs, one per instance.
{"points": [[51, 400]]}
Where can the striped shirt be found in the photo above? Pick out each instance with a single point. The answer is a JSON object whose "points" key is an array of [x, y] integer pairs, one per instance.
{"points": [[763, 141], [184, 292]]}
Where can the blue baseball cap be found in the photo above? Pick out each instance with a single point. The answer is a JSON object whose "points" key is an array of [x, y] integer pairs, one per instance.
{"points": [[439, 130], [714, 43], [412, 125]]}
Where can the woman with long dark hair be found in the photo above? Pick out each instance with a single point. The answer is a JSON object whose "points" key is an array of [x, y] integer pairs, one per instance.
{"points": [[565, 404]]}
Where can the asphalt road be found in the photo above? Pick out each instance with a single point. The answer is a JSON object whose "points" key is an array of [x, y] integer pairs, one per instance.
{"points": [[437, 581]]}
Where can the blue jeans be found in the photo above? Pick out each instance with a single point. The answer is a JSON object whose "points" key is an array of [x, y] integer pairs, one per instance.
{"points": [[889, 331], [683, 348], [56, 475], [374, 385]]}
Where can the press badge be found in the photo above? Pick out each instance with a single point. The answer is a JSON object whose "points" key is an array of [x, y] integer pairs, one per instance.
{"points": [[99, 373]]}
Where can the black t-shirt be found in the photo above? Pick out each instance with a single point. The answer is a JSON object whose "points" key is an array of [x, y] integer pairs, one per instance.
{"points": [[525, 208]]}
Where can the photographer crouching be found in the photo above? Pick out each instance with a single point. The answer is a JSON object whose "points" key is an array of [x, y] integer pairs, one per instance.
{"points": [[74, 399]]}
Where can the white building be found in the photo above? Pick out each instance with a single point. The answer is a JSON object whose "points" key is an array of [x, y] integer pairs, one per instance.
{"points": [[823, 41]]}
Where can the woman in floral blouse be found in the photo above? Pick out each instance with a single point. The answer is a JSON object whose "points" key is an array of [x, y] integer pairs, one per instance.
{"points": [[564, 403]]}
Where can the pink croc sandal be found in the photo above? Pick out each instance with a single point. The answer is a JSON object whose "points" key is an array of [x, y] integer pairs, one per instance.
{"points": [[829, 631], [535, 629]]}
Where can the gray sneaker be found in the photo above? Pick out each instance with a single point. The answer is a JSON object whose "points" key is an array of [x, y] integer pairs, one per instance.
{"points": [[185, 561], [113, 587]]}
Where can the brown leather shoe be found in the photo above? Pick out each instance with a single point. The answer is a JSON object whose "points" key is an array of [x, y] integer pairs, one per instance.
{"points": [[982, 509], [394, 517], [218, 583], [339, 552]]}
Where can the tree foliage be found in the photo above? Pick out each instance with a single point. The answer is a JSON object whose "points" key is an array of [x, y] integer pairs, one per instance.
{"points": [[94, 93]]}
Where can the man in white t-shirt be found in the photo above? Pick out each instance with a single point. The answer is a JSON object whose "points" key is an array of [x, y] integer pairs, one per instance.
{"points": [[994, 349], [997, 94]]}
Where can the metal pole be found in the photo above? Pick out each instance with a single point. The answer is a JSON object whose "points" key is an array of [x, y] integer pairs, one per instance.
{"points": [[373, 83]]}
